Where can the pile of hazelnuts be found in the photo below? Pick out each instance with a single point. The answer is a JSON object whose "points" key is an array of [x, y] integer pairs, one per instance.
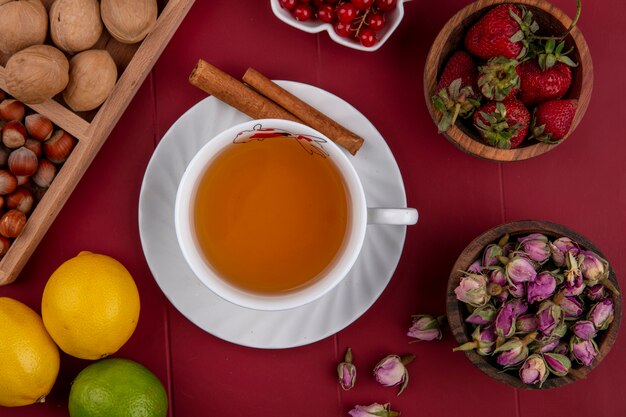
{"points": [[31, 152]]}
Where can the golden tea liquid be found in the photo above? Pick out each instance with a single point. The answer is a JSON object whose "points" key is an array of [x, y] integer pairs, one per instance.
{"points": [[270, 216]]}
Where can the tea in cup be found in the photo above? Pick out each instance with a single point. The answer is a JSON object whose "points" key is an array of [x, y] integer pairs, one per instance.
{"points": [[271, 215]]}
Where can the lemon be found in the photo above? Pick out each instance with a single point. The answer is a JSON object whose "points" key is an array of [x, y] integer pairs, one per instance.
{"points": [[117, 388], [29, 359], [90, 306]]}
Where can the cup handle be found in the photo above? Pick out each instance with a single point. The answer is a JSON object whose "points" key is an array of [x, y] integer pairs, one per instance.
{"points": [[397, 216]]}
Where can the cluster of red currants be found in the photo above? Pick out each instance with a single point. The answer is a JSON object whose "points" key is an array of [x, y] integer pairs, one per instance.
{"points": [[357, 19]]}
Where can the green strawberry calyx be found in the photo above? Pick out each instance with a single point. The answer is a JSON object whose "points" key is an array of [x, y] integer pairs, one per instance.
{"points": [[527, 28], [551, 53], [498, 78], [453, 101], [498, 130]]}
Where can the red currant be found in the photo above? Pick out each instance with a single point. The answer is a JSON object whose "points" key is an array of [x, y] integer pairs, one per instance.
{"points": [[342, 29], [367, 37], [386, 5], [376, 21], [362, 4], [326, 13], [303, 12], [346, 12], [288, 4]]}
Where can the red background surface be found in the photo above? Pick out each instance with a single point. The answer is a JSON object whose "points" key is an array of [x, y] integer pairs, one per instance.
{"points": [[581, 184]]}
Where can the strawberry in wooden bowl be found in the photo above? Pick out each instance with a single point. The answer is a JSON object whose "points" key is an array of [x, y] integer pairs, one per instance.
{"points": [[508, 81]]}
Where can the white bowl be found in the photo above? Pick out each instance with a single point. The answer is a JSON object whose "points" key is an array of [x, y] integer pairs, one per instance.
{"points": [[392, 20]]}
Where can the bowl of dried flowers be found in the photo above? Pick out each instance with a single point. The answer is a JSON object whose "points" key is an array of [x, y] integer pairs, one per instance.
{"points": [[533, 304], [508, 81]]}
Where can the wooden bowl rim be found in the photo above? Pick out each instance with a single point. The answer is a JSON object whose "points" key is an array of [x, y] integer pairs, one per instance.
{"points": [[454, 307], [473, 146]]}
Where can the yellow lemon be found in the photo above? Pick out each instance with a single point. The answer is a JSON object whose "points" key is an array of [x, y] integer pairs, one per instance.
{"points": [[90, 306], [29, 359]]}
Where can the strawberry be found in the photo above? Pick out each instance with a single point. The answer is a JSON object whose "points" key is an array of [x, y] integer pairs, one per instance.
{"points": [[503, 31], [552, 120], [457, 92], [498, 79], [503, 124], [537, 85]]}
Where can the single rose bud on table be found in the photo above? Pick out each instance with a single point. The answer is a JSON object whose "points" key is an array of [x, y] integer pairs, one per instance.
{"points": [[391, 371], [346, 371]]}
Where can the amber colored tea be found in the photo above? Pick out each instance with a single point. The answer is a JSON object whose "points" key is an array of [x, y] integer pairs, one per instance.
{"points": [[270, 215]]}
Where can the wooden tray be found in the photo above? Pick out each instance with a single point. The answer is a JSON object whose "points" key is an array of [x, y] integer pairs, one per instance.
{"points": [[91, 128]]}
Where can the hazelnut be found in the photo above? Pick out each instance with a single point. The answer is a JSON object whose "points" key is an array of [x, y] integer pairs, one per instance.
{"points": [[59, 146], [37, 73], [11, 109], [14, 134], [24, 23], [129, 21], [23, 162], [35, 146], [21, 199], [5, 244], [75, 25], [8, 182], [93, 75], [22, 180], [38, 126], [46, 171], [12, 223]]}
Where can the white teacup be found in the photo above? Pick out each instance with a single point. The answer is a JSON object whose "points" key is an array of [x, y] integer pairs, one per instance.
{"points": [[359, 215]]}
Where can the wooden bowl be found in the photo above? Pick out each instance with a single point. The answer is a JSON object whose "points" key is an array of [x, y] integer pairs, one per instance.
{"points": [[450, 38], [457, 311]]}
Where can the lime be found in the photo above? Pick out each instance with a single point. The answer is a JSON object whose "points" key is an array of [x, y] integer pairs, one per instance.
{"points": [[117, 388]]}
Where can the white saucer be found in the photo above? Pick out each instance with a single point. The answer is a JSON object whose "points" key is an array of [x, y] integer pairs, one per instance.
{"points": [[368, 278]]}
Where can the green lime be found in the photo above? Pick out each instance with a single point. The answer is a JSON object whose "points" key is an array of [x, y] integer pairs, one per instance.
{"points": [[117, 388]]}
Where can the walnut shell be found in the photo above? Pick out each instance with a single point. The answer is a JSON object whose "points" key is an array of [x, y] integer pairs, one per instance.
{"points": [[23, 23], [93, 75], [129, 21], [75, 25], [37, 73]]}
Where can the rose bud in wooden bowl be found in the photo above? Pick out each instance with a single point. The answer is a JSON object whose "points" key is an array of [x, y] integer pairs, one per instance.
{"points": [[533, 304], [508, 81]]}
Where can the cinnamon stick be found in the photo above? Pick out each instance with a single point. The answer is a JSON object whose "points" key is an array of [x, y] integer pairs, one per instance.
{"points": [[234, 93], [307, 113]]}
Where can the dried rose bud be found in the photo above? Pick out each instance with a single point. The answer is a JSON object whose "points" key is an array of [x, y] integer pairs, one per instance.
{"points": [[483, 340], [346, 371], [545, 344], [482, 315], [534, 370], [596, 293], [584, 351], [572, 307], [558, 364], [491, 255], [391, 371], [519, 306], [560, 248], [525, 324], [593, 268], [519, 270], [505, 321], [497, 276], [584, 329], [373, 410], [574, 283], [472, 290], [560, 330], [549, 316], [562, 348], [536, 247], [517, 290], [542, 288], [475, 267], [426, 327], [514, 351], [601, 314]]}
